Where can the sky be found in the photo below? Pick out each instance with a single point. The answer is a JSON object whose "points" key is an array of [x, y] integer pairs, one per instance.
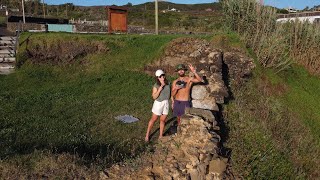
{"points": [[299, 4]]}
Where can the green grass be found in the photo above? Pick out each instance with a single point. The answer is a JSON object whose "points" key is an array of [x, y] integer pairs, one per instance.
{"points": [[3, 20], [71, 108], [303, 97], [274, 125], [254, 153]]}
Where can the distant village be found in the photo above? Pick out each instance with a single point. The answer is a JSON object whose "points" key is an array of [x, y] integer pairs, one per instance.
{"points": [[41, 24]]}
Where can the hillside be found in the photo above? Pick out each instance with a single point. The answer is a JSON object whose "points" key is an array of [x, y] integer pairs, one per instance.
{"points": [[190, 18], [57, 117], [182, 7]]}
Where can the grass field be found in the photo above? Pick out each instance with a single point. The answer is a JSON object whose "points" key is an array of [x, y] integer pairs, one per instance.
{"points": [[3, 20], [274, 125], [48, 110], [303, 97]]}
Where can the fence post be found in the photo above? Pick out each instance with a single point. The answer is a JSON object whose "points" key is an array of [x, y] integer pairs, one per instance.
{"points": [[17, 39]]}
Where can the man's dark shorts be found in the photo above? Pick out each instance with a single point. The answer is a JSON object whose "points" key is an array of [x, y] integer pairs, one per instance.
{"points": [[179, 107]]}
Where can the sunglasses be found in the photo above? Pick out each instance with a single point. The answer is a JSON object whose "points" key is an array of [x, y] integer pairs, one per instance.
{"points": [[162, 75]]}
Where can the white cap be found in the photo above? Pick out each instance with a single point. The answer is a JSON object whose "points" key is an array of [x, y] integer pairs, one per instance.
{"points": [[159, 72]]}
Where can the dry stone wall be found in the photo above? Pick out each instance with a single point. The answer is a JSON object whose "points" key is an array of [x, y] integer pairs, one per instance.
{"points": [[209, 62], [191, 153], [239, 66], [12, 26]]}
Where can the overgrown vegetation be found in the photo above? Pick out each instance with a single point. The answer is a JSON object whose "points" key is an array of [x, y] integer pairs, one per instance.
{"points": [[272, 122], [179, 21], [274, 126], [276, 45]]}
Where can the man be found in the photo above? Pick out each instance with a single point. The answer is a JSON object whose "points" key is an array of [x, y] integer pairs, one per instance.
{"points": [[180, 93]]}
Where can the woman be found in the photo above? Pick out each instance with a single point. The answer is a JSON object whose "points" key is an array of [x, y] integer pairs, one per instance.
{"points": [[160, 94]]}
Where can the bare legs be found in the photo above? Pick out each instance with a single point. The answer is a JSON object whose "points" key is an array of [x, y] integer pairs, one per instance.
{"points": [[178, 120], [152, 121], [162, 123], [150, 125]]}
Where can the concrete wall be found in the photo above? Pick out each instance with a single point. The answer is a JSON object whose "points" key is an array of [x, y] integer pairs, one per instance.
{"points": [[60, 28]]}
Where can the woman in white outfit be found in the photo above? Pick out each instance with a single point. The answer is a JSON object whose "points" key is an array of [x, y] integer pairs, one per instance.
{"points": [[161, 95]]}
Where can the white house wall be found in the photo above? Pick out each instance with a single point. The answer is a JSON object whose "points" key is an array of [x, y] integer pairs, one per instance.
{"points": [[309, 18]]}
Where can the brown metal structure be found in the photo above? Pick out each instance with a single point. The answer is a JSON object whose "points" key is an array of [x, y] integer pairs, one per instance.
{"points": [[117, 19]]}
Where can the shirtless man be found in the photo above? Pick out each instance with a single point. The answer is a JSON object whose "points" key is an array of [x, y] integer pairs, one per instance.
{"points": [[180, 93]]}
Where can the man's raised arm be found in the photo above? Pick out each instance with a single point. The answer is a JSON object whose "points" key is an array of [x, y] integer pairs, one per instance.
{"points": [[196, 78]]}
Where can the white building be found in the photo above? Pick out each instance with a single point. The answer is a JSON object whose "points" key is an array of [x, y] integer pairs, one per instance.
{"points": [[312, 17], [291, 10]]}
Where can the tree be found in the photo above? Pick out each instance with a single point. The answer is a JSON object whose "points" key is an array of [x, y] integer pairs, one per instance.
{"points": [[129, 4], [306, 8], [282, 11]]}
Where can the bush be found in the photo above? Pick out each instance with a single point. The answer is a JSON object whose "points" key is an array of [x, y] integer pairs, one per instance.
{"points": [[276, 45]]}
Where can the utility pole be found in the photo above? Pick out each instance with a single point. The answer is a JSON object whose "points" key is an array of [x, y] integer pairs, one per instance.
{"points": [[144, 15], [23, 15], [66, 10], [43, 9], [156, 15]]}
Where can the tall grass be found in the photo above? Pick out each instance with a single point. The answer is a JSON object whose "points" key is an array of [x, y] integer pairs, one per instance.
{"points": [[276, 45], [275, 140]]}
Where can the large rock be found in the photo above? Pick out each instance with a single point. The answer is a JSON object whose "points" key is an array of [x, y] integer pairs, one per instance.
{"points": [[239, 65], [209, 104], [199, 92], [218, 166], [217, 88], [206, 114]]}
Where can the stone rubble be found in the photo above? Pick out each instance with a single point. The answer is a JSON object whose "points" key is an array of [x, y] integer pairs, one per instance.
{"points": [[192, 153]]}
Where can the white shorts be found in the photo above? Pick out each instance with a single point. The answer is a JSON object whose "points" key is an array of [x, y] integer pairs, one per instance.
{"points": [[160, 108]]}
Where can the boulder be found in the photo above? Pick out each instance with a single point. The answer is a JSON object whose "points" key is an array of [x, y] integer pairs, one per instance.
{"points": [[239, 65], [206, 114], [199, 92], [218, 166], [209, 104]]}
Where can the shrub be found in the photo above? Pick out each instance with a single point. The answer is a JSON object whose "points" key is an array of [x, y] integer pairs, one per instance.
{"points": [[275, 44]]}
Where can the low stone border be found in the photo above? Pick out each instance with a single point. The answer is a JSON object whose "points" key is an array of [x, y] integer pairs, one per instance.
{"points": [[192, 153]]}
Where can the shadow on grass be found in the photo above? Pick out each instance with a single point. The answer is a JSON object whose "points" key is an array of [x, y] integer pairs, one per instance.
{"points": [[172, 129], [85, 153]]}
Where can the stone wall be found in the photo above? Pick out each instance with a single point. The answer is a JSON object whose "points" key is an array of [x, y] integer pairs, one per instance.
{"points": [[209, 62], [191, 153], [90, 28], [239, 66], [13, 26]]}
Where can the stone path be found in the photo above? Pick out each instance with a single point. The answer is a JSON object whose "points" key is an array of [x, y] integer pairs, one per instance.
{"points": [[7, 54]]}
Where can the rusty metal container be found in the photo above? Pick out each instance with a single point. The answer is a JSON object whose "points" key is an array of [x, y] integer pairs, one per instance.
{"points": [[117, 19]]}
